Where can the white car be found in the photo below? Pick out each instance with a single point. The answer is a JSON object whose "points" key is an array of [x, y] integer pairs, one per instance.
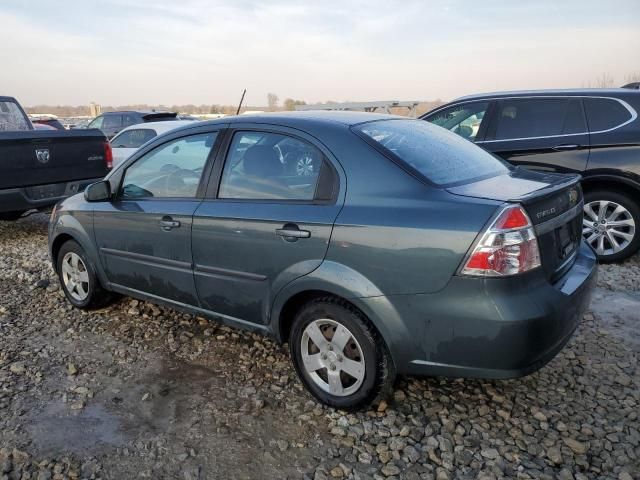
{"points": [[130, 139]]}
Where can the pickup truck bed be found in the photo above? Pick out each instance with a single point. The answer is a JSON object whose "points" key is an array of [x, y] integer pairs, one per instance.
{"points": [[40, 167]]}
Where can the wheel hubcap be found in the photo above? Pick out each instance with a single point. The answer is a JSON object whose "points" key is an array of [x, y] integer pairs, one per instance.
{"points": [[332, 357], [607, 226], [75, 276], [304, 167]]}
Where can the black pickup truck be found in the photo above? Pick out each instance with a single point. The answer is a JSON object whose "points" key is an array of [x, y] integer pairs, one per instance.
{"points": [[40, 167]]}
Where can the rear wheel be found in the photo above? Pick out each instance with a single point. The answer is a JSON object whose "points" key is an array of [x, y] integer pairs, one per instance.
{"points": [[78, 278], [338, 355], [10, 216], [611, 225]]}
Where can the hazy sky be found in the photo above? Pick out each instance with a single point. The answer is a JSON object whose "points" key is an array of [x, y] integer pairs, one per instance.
{"points": [[117, 52]]}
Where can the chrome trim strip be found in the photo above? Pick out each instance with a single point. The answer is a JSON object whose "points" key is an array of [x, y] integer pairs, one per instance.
{"points": [[560, 220], [631, 110], [223, 272]]}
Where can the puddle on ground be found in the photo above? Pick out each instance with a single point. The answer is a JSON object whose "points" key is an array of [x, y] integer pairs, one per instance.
{"points": [[619, 314], [57, 429]]}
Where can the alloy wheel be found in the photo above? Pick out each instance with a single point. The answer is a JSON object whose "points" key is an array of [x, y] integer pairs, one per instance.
{"points": [[332, 357], [305, 166], [607, 226], [75, 276]]}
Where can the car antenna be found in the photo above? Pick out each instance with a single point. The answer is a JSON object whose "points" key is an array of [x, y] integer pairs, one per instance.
{"points": [[241, 100]]}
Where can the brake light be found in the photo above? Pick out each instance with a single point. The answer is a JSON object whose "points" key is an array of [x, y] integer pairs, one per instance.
{"points": [[508, 247], [108, 155]]}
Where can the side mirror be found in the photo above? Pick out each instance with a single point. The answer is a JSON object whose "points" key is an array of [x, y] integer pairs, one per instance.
{"points": [[98, 192]]}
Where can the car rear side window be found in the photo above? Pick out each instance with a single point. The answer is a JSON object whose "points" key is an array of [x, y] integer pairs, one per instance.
{"points": [[270, 166], [133, 138], [12, 118], [438, 155], [538, 117], [605, 113]]}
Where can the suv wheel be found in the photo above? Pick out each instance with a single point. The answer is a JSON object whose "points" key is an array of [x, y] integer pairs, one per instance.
{"points": [[78, 278], [338, 355], [611, 225]]}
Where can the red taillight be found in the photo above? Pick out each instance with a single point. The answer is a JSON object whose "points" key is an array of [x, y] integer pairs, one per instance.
{"points": [[512, 218], [108, 155], [508, 247]]}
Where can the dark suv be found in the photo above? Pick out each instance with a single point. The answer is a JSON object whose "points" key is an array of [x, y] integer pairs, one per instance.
{"points": [[112, 122], [594, 132]]}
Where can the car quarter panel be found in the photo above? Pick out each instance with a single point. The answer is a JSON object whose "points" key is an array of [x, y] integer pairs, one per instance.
{"points": [[398, 232]]}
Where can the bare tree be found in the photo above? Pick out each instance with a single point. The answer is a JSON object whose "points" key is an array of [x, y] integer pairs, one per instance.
{"points": [[290, 103], [272, 101], [604, 81], [632, 77]]}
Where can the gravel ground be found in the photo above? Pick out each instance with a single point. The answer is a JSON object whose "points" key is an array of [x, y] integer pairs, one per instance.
{"points": [[139, 391]]}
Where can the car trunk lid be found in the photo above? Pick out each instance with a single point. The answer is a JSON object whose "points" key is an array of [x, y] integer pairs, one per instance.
{"points": [[553, 203]]}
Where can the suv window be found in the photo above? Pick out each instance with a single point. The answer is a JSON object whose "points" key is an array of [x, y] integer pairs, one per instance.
{"points": [[12, 118], [112, 121], [465, 119], [133, 138], [605, 113], [129, 119], [270, 166], [172, 170], [538, 117], [436, 154]]}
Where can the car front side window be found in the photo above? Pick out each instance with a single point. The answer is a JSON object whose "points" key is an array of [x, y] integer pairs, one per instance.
{"points": [[96, 123], [270, 166], [172, 170], [464, 120]]}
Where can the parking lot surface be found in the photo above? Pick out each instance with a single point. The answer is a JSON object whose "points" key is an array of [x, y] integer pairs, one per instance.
{"points": [[140, 391]]}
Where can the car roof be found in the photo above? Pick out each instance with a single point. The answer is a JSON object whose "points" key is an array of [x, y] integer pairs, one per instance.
{"points": [[141, 112], [7, 99], [307, 118], [581, 92]]}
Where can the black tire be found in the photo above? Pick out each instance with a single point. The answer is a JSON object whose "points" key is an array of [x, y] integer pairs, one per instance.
{"points": [[97, 296], [379, 372], [10, 216], [632, 207]]}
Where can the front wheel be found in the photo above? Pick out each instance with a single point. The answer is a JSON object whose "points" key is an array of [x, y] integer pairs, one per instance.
{"points": [[78, 278], [610, 225], [339, 356]]}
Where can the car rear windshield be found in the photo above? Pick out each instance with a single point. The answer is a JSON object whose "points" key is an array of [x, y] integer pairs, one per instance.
{"points": [[440, 156], [12, 118]]}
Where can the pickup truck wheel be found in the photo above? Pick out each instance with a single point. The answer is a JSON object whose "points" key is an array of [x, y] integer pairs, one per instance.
{"points": [[78, 278], [611, 225], [10, 216], [340, 358]]}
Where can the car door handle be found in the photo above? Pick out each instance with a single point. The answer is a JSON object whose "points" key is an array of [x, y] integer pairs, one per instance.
{"points": [[292, 233], [168, 223], [571, 146]]}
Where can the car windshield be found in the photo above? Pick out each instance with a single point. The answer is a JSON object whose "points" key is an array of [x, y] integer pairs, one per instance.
{"points": [[440, 156]]}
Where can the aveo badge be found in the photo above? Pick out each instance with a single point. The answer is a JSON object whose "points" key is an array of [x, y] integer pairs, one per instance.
{"points": [[43, 155], [573, 196]]}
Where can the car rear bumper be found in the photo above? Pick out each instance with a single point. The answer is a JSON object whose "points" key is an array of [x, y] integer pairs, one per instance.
{"points": [[489, 328], [41, 196]]}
